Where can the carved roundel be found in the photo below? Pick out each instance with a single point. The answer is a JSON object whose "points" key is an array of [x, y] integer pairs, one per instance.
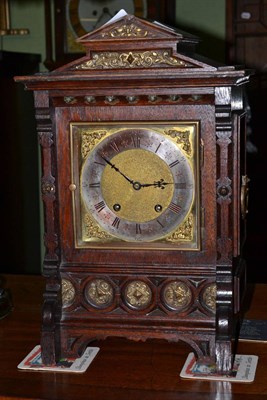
{"points": [[67, 292], [176, 295], [138, 295], [99, 293], [209, 297]]}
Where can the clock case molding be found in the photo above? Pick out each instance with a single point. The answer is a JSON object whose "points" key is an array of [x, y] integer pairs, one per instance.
{"points": [[151, 74]]}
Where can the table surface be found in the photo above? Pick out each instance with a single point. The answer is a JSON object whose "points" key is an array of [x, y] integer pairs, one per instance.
{"points": [[122, 369]]}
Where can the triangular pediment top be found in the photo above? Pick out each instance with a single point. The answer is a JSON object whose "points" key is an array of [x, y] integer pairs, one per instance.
{"points": [[130, 43], [134, 49], [130, 27]]}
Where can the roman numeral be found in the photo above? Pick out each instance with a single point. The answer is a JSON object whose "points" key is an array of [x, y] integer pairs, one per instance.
{"points": [[174, 163], [100, 206], [160, 223], [174, 208], [136, 141], [94, 185], [180, 185], [138, 229], [99, 163], [116, 223], [157, 148], [114, 147]]}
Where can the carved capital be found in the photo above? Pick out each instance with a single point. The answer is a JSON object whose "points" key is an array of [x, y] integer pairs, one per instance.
{"points": [[46, 139]]}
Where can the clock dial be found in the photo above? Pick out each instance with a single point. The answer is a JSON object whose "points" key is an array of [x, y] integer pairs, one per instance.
{"points": [[87, 15], [143, 198], [136, 184]]}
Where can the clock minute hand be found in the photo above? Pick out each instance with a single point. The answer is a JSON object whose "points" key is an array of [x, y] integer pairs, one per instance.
{"points": [[117, 169]]}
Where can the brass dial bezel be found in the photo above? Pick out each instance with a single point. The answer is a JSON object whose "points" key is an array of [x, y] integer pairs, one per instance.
{"points": [[186, 234]]}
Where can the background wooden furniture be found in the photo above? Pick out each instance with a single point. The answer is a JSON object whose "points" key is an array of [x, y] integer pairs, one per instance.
{"points": [[246, 29], [122, 369], [56, 20], [19, 161]]}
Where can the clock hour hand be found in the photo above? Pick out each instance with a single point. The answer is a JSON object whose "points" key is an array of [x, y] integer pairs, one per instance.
{"points": [[105, 13], [158, 184], [117, 169]]}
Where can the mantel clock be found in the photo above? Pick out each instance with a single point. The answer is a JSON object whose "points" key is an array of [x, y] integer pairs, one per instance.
{"points": [[144, 188]]}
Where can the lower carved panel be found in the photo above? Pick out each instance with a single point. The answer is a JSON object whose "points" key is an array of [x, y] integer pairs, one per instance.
{"points": [[180, 308], [140, 296], [74, 343]]}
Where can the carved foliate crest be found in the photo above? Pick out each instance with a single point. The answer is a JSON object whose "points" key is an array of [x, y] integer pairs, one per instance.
{"points": [[132, 43], [130, 27]]}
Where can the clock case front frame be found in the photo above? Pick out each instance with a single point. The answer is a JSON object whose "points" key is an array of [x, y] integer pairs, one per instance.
{"points": [[193, 296]]}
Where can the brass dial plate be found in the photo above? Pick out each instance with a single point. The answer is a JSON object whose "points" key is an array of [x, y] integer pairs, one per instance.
{"points": [[135, 183], [139, 203]]}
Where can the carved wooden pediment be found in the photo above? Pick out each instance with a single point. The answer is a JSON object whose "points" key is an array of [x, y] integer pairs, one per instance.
{"points": [[133, 43], [130, 27]]}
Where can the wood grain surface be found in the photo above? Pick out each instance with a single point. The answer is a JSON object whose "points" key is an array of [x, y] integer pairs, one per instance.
{"points": [[122, 369]]}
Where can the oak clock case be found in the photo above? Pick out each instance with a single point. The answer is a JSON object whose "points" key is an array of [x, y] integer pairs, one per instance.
{"points": [[135, 183], [144, 186]]}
